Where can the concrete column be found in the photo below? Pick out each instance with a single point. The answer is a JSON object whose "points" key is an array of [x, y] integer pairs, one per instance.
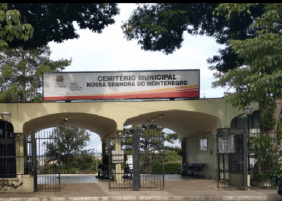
{"points": [[20, 154], [184, 154], [117, 148]]}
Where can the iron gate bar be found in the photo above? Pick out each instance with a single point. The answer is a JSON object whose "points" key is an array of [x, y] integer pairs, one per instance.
{"points": [[245, 156], [126, 183], [153, 176], [44, 180], [231, 158], [136, 171], [257, 165], [34, 162]]}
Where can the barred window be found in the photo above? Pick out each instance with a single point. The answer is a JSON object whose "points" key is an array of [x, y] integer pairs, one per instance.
{"points": [[203, 144]]}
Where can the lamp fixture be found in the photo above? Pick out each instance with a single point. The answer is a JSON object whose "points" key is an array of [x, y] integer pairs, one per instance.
{"points": [[65, 120], [248, 110], [6, 115], [154, 119]]}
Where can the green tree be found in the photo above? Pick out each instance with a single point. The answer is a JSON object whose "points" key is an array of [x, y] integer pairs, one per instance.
{"points": [[146, 142], [160, 27], [11, 27], [260, 77], [71, 142], [86, 161], [54, 21], [172, 156], [22, 70]]}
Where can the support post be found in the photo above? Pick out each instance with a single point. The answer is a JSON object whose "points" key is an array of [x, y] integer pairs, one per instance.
{"points": [[118, 148], [34, 160], [218, 160], [245, 152], [6, 150], [136, 176], [184, 156], [19, 155]]}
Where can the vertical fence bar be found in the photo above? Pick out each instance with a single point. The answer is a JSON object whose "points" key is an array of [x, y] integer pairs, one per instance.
{"points": [[34, 159], [136, 178], [163, 162], [109, 163], [245, 157], [218, 160], [59, 152]]}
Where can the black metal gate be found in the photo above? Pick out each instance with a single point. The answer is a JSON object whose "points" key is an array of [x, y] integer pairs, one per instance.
{"points": [[138, 164], [232, 158], [43, 147], [152, 161], [7, 151]]}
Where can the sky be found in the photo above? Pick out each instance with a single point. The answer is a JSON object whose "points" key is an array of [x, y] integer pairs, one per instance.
{"points": [[110, 51]]}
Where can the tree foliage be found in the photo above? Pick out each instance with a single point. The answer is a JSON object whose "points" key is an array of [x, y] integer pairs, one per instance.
{"points": [[160, 27], [11, 26], [21, 73], [145, 131], [260, 77], [54, 21], [71, 142]]}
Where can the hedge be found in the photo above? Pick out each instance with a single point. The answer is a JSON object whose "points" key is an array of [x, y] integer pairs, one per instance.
{"points": [[172, 167]]}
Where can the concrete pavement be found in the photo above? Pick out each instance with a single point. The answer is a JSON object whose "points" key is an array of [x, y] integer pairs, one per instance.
{"points": [[180, 188]]}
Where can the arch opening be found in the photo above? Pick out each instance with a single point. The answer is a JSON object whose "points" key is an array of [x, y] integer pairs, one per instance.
{"points": [[184, 123], [192, 128], [101, 125]]}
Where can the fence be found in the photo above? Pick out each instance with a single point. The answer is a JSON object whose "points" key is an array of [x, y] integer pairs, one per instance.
{"points": [[248, 159]]}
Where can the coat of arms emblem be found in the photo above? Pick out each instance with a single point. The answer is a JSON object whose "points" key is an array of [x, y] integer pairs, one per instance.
{"points": [[59, 78]]}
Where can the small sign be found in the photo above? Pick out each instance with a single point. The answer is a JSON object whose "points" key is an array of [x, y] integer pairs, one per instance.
{"points": [[226, 144], [117, 156]]}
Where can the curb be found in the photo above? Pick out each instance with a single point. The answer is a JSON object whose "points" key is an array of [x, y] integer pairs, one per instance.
{"points": [[119, 198]]}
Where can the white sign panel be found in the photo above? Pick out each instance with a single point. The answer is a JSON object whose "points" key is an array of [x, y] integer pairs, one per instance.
{"points": [[226, 144], [121, 85], [117, 156]]}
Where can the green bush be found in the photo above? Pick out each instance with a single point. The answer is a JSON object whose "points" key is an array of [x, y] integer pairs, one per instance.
{"points": [[73, 170], [260, 176], [169, 167], [276, 174], [172, 167]]}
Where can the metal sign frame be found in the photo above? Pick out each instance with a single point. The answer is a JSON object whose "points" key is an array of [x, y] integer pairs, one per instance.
{"points": [[125, 95]]}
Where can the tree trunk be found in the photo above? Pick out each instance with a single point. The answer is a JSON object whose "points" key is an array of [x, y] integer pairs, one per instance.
{"points": [[24, 92], [262, 111], [276, 114]]}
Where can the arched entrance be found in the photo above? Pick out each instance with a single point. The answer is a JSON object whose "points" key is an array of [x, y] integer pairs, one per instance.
{"points": [[37, 142]]}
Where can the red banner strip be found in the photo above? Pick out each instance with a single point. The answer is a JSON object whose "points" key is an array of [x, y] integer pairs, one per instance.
{"points": [[180, 94]]}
